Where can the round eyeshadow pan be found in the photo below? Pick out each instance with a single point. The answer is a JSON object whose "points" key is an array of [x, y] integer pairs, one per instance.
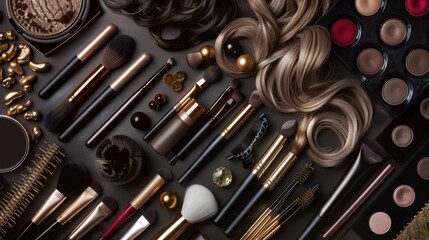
{"points": [[343, 32], [393, 32], [402, 136], [424, 108], [367, 7], [417, 8], [14, 144], [417, 62], [394, 91], [423, 168], [404, 196], [370, 61], [380, 223]]}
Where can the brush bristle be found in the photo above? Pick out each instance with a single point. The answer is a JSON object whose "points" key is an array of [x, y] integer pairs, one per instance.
{"points": [[171, 61], [110, 203], [118, 52], [73, 179], [235, 83], [304, 174], [194, 59], [199, 204], [212, 73], [150, 215], [307, 197], [56, 120], [165, 174], [288, 128], [255, 100], [301, 136], [95, 187], [237, 96]]}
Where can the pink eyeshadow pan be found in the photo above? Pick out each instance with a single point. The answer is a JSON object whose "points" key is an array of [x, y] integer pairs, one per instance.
{"points": [[423, 168], [402, 136], [404, 196], [394, 91], [380, 223], [367, 7], [393, 32]]}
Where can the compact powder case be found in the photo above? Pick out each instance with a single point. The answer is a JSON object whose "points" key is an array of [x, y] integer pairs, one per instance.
{"points": [[14, 144], [385, 44], [47, 25]]}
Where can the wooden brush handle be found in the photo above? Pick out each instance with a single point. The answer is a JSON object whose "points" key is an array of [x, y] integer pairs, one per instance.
{"points": [[88, 85]]}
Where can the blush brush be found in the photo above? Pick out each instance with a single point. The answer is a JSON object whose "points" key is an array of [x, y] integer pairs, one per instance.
{"points": [[118, 52]]}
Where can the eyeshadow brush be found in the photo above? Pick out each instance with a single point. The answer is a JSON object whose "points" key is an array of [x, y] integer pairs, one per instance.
{"points": [[84, 199], [205, 129], [227, 133], [117, 53], [127, 105], [104, 97], [77, 61], [275, 177], [211, 74]]}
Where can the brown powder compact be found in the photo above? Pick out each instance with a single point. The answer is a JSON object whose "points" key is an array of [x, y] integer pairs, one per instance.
{"points": [[386, 44], [47, 24], [399, 202]]}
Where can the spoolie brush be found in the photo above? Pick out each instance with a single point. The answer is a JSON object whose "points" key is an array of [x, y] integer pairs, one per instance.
{"points": [[16, 200], [199, 204], [118, 52]]}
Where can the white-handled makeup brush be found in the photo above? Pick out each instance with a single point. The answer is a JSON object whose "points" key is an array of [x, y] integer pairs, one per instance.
{"points": [[199, 204]]}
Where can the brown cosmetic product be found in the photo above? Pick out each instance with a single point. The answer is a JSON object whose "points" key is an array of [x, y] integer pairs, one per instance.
{"points": [[424, 108], [171, 134], [367, 7], [423, 168], [394, 91], [417, 62], [370, 61], [404, 196], [393, 32], [402, 136], [380, 223]]}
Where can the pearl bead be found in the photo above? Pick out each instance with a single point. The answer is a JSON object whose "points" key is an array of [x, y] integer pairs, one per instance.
{"points": [[168, 200], [233, 49], [140, 121], [245, 63], [208, 53]]}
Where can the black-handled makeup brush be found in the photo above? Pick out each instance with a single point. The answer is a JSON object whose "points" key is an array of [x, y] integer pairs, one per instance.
{"points": [[118, 52], [104, 97], [225, 95], [77, 61], [101, 132], [253, 179], [227, 133], [197, 137], [73, 179], [84, 199], [211, 74]]}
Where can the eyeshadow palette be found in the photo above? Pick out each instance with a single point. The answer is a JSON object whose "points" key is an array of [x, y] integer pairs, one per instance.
{"points": [[403, 136], [399, 202], [385, 43]]}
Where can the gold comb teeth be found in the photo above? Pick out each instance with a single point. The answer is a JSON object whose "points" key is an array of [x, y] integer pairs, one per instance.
{"points": [[19, 196]]}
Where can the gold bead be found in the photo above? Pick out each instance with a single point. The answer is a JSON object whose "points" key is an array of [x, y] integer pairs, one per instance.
{"points": [[208, 53], [245, 63], [168, 200]]}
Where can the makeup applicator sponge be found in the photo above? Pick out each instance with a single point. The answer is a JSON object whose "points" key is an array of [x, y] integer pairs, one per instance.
{"points": [[119, 159]]}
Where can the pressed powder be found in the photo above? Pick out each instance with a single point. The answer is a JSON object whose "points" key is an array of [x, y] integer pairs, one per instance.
{"points": [[424, 108], [423, 168], [394, 91], [370, 61], [393, 32], [380, 223], [404, 196], [402, 136], [367, 7], [417, 62]]}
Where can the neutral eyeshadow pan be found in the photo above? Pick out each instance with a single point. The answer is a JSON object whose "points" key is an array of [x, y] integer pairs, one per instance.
{"points": [[417, 62], [393, 32], [380, 223], [424, 108], [370, 61], [423, 168], [394, 91], [367, 7], [402, 136], [46, 17], [404, 196]]}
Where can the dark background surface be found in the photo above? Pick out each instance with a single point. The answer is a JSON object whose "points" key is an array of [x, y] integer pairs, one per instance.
{"points": [[77, 152]]}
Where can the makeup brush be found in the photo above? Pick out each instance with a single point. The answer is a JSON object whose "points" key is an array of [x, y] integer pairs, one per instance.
{"points": [[73, 179], [103, 210], [77, 61], [211, 74], [147, 219], [104, 97], [199, 204], [215, 118], [164, 175], [118, 52], [275, 177], [84, 199], [367, 161], [127, 105], [226, 134], [253, 178]]}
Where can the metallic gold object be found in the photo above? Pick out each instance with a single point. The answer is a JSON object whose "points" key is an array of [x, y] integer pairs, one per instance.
{"points": [[269, 156], [222, 177], [85, 198], [19, 108], [24, 55], [10, 53], [418, 227], [4, 47], [14, 65], [237, 121], [177, 86], [10, 71], [10, 35], [168, 78], [208, 53], [32, 115], [2, 37], [245, 63], [168, 200], [27, 82], [272, 181], [36, 134], [39, 67], [10, 97], [179, 76], [8, 82]]}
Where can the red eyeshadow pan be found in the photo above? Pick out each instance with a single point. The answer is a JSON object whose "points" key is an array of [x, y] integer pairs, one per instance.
{"points": [[417, 8], [343, 32]]}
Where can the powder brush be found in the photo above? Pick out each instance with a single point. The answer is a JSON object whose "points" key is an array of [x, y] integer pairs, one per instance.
{"points": [[253, 178], [147, 219], [118, 52], [211, 74], [227, 133], [199, 204]]}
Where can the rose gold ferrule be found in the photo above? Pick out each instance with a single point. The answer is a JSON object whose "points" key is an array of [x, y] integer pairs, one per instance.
{"points": [[278, 173], [147, 192], [237, 121], [195, 90], [99, 41], [174, 230], [87, 86], [131, 71], [85, 198], [53, 202], [267, 159], [191, 112]]}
